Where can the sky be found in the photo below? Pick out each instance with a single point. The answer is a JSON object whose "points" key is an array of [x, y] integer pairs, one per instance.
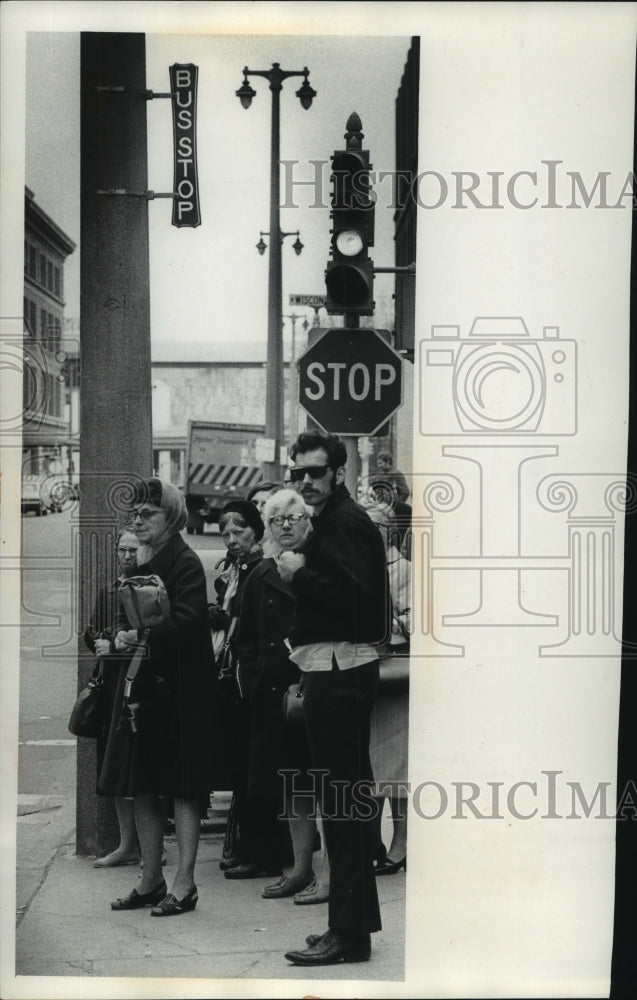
{"points": [[210, 282]]}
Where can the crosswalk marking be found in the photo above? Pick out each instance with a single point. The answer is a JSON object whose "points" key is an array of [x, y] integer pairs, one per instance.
{"points": [[47, 743]]}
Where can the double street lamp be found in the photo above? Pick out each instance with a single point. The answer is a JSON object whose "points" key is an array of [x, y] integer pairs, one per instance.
{"points": [[297, 246], [274, 369]]}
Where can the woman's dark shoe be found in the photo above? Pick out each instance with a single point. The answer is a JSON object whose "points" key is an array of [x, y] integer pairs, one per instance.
{"points": [[388, 867], [135, 900], [287, 886], [226, 863], [251, 870], [170, 906]]}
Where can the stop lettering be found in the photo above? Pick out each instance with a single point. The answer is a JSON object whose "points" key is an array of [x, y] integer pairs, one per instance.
{"points": [[335, 379]]}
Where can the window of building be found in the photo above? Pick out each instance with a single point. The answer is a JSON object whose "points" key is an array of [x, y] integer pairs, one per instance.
{"points": [[32, 261], [32, 317], [49, 276], [57, 282], [28, 387], [50, 394], [43, 325], [42, 269]]}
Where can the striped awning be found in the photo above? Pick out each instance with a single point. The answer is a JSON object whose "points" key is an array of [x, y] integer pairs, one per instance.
{"points": [[224, 476]]}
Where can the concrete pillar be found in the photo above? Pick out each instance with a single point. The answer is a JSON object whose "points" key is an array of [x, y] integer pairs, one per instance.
{"points": [[115, 414]]}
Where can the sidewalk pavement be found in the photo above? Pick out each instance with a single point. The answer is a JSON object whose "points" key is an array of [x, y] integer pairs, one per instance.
{"points": [[67, 928]]}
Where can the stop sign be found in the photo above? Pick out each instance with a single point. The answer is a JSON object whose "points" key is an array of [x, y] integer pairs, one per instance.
{"points": [[350, 381]]}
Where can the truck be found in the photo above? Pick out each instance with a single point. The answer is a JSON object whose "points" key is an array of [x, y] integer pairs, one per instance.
{"points": [[223, 463]]}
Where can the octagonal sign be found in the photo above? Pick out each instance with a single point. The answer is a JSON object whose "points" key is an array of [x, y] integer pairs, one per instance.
{"points": [[350, 381]]}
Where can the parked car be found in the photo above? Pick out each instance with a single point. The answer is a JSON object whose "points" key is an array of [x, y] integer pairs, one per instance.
{"points": [[32, 498]]}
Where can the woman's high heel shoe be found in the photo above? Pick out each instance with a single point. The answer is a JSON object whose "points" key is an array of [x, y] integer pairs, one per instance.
{"points": [[135, 900], [388, 867], [170, 906]]}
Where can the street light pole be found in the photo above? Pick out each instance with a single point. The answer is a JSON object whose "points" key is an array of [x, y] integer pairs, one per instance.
{"points": [[274, 362], [294, 377]]}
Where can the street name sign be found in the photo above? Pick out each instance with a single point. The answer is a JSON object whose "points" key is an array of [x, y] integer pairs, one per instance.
{"points": [[350, 381], [315, 301]]}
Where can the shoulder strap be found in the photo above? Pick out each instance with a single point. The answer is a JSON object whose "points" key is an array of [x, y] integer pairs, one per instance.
{"points": [[135, 663]]}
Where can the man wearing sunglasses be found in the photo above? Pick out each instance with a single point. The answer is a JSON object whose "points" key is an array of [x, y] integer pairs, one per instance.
{"points": [[341, 590]]}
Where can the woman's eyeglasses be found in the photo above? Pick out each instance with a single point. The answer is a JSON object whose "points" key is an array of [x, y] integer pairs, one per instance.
{"points": [[313, 471], [144, 514], [127, 552], [292, 519]]}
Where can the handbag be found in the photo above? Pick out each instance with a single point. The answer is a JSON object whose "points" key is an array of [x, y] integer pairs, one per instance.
{"points": [[144, 600], [293, 707], [87, 716], [228, 672]]}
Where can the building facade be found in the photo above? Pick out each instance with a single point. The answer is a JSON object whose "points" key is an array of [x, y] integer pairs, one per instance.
{"points": [[49, 366]]}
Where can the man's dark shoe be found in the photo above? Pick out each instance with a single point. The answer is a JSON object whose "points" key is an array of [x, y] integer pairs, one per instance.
{"points": [[249, 871], [331, 948]]}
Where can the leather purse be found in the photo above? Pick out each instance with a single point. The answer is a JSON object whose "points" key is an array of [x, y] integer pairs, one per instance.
{"points": [[293, 707], [144, 601], [87, 716]]}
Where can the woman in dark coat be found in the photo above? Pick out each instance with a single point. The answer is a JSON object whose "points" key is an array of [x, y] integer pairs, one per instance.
{"points": [[241, 529], [99, 636], [266, 672], [170, 755]]}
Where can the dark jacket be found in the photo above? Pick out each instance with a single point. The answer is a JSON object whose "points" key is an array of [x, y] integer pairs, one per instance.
{"points": [[342, 593], [267, 613], [103, 625], [175, 686]]}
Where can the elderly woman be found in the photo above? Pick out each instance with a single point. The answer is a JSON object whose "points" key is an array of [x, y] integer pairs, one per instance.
{"points": [[267, 672], [99, 637], [170, 755]]}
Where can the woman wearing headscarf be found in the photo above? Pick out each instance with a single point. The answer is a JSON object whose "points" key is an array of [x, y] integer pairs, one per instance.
{"points": [[170, 754], [241, 529]]}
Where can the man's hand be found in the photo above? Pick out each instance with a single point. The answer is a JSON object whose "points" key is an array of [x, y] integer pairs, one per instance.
{"points": [[126, 640], [288, 563], [102, 647]]}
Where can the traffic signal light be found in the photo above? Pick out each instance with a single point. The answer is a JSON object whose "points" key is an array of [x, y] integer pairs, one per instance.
{"points": [[349, 276]]}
